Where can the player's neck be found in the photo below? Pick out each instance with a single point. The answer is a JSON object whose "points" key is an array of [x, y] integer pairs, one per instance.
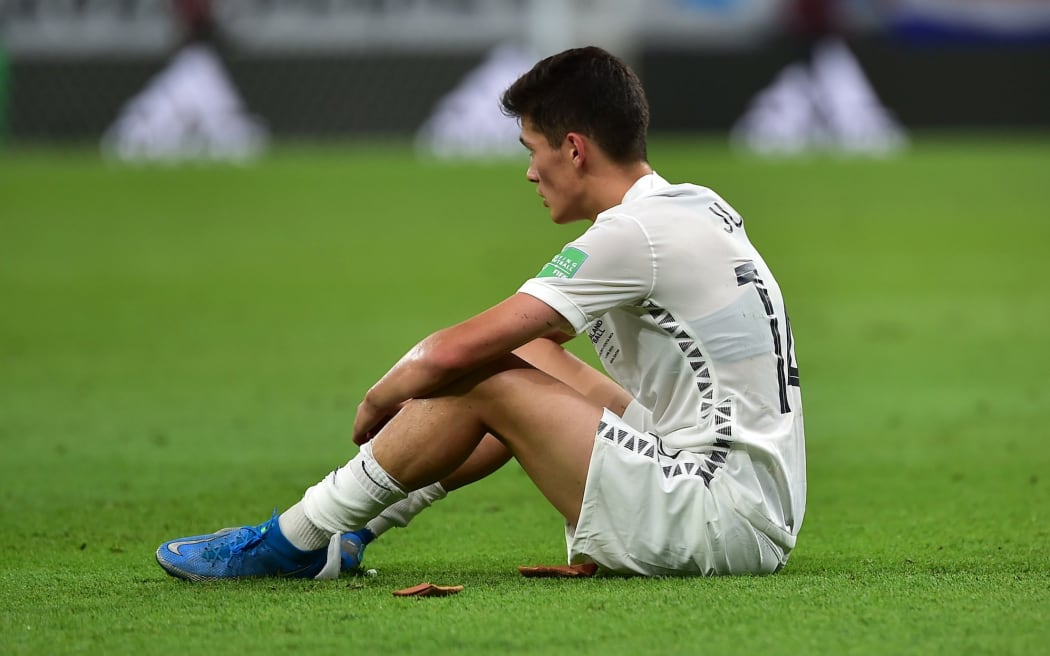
{"points": [[612, 182]]}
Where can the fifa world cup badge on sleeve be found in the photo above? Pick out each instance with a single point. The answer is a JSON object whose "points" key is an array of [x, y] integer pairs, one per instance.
{"points": [[564, 264]]}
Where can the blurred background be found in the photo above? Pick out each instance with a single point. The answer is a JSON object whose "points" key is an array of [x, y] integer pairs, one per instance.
{"points": [[223, 78], [184, 340]]}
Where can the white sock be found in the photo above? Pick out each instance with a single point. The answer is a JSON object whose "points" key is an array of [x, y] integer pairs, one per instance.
{"points": [[350, 496], [300, 531], [402, 512]]}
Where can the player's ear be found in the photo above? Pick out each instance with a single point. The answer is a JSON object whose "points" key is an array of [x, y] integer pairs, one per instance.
{"points": [[576, 145]]}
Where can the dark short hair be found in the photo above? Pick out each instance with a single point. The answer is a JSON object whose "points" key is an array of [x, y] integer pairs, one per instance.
{"points": [[585, 90]]}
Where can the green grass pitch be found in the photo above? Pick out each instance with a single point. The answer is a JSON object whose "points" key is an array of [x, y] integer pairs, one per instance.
{"points": [[182, 349]]}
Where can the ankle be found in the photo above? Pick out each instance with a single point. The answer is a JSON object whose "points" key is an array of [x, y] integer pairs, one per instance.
{"points": [[300, 532]]}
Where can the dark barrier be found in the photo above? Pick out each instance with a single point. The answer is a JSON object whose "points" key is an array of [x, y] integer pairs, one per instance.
{"points": [[925, 86], [364, 95]]}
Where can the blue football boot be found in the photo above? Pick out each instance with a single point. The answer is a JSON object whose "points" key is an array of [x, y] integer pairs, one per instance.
{"points": [[234, 553], [352, 549]]}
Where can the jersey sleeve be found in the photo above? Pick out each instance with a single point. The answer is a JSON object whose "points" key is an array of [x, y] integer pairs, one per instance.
{"points": [[609, 266]]}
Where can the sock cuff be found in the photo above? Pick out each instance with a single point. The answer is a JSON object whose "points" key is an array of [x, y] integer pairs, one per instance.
{"points": [[402, 512], [352, 495], [433, 492], [380, 485]]}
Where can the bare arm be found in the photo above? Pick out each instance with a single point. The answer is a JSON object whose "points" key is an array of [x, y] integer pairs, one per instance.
{"points": [[452, 352]]}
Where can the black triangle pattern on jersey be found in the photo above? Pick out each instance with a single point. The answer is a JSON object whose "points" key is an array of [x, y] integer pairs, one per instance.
{"points": [[648, 448], [691, 351], [705, 469], [628, 440], [710, 463], [723, 418]]}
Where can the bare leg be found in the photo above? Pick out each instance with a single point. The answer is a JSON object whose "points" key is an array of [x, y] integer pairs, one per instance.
{"points": [[438, 418], [548, 426], [550, 357], [488, 456]]}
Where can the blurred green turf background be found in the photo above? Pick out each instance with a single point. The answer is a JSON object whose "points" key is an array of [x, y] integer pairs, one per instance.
{"points": [[182, 349]]}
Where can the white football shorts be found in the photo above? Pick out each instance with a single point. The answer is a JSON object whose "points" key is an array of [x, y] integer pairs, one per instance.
{"points": [[650, 513]]}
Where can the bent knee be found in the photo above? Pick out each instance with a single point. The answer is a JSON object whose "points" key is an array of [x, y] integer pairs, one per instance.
{"points": [[503, 376]]}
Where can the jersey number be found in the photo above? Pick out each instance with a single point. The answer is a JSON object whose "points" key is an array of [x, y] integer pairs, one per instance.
{"points": [[787, 370], [728, 218]]}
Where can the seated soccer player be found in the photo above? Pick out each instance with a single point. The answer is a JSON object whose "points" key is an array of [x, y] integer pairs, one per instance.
{"points": [[687, 459]]}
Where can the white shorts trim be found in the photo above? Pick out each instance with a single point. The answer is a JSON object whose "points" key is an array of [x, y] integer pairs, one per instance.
{"points": [[652, 513]]}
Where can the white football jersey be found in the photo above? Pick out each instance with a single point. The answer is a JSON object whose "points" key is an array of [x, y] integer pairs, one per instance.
{"points": [[686, 316]]}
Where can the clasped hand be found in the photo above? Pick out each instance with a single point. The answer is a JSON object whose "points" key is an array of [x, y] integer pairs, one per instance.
{"points": [[371, 419]]}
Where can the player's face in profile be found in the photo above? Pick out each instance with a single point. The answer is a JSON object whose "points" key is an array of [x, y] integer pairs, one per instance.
{"points": [[551, 170]]}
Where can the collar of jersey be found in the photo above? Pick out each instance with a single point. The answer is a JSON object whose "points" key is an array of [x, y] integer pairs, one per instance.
{"points": [[645, 184]]}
